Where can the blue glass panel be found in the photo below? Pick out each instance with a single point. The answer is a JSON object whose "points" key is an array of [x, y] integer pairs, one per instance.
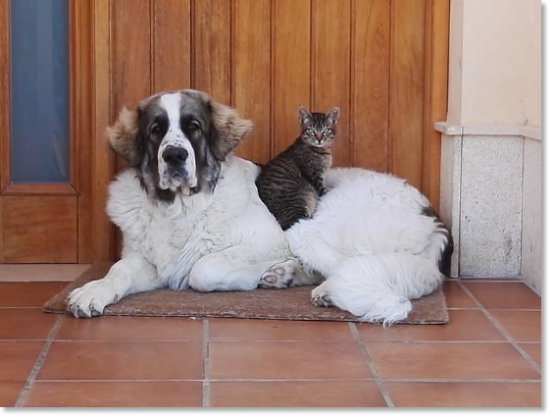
{"points": [[39, 91]]}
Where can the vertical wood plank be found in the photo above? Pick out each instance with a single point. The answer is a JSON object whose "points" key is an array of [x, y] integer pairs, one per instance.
{"points": [[251, 77], [406, 119], [81, 73], [4, 110], [436, 88], [212, 48], [103, 159], [4, 94], [331, 36], [132, 78], [290, 69], [132, 52], [171, 45], [370, 91]]}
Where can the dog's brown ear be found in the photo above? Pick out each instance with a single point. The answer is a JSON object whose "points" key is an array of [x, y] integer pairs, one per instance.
{"points": [[230, 129], [123, 137]]}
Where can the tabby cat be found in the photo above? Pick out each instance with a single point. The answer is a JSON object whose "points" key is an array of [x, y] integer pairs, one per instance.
{"points": [[291, 183]]}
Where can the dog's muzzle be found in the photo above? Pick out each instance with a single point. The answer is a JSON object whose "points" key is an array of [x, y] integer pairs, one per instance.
{"points": [[175, 157], [177, 168]]}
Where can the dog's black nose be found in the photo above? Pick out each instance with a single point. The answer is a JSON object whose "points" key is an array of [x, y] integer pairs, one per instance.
{"points": [[175, 155]]}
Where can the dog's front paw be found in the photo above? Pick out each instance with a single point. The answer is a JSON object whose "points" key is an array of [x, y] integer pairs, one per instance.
{"points": [[90, 300], [280, 275], [320, 296]]}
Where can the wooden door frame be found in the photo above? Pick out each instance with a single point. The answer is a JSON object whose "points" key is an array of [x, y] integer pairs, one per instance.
{"points": [[81, 80], [436, 94]]}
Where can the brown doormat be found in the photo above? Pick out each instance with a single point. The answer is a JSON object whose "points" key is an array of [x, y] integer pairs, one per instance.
{"points": [[289, 304]]}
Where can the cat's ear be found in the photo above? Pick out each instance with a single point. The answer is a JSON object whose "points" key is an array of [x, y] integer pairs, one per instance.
{"points": [[304, 115], [332, 115]]}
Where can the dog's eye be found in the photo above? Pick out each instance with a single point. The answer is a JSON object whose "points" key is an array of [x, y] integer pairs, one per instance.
{"points": [[194, 126], [156, 129]]}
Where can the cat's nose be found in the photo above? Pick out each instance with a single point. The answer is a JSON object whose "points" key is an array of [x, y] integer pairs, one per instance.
{"points": [[318, 137]]}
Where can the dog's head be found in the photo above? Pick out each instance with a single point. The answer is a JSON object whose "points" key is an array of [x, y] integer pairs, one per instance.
{"points": [[177, 141]]}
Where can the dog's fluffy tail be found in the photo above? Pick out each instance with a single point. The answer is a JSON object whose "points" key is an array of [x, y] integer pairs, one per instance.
{"points": [[379, 287]]}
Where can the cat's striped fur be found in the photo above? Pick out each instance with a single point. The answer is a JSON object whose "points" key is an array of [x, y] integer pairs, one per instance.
{"points": [[291, 183]]}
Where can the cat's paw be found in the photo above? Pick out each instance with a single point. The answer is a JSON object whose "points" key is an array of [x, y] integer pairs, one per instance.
{"points": [[320, 296], [280, 275]]}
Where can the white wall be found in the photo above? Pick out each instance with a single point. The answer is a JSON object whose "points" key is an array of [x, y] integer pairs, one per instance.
{"points": [[490, 173]]}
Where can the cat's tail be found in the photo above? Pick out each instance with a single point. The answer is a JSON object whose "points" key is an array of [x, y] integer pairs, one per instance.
{"points": [[379, 287]]}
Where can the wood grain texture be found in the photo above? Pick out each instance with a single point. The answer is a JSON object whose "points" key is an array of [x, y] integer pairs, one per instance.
{"points": [[131, 52], [4, 111], [40, 229], [40, 189], [132, 77], [331, 67], [1, 230], [384, 62], [436, 89], [103, 159], [81, 121], [212, 63], [4, 94], [370, 84], [251, 74], [290, 69], [406, 123], [171, 45]]}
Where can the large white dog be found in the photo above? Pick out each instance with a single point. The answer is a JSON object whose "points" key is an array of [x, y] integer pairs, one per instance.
{"points": [[191, 217]]}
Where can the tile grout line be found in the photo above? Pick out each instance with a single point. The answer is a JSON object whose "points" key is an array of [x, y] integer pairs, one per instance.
{"points": [[272, 341], [205, 355], [501, 330], [39, 362], [480, 380], [237, 380], [371, 366]]}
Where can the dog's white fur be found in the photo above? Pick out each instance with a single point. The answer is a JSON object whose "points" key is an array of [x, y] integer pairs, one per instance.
{"points": [[368, 237], [221, 241], [175, 138]]}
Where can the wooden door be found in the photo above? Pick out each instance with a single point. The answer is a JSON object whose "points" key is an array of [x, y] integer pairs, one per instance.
{"points": [[45, 169], [383, 62]]}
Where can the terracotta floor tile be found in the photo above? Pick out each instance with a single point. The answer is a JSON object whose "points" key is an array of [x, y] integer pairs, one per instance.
{"points": [[41, 272], [502, 295], [534, 351], [277, 360], [450, 361], [296, 394], [9, 392], [25, 323], [131, 328], [122, 360], [468, 325], [115, 394], [465, 394], [456, 297], [17, 359], [28, 294], [242, 329], [521, 325]]}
